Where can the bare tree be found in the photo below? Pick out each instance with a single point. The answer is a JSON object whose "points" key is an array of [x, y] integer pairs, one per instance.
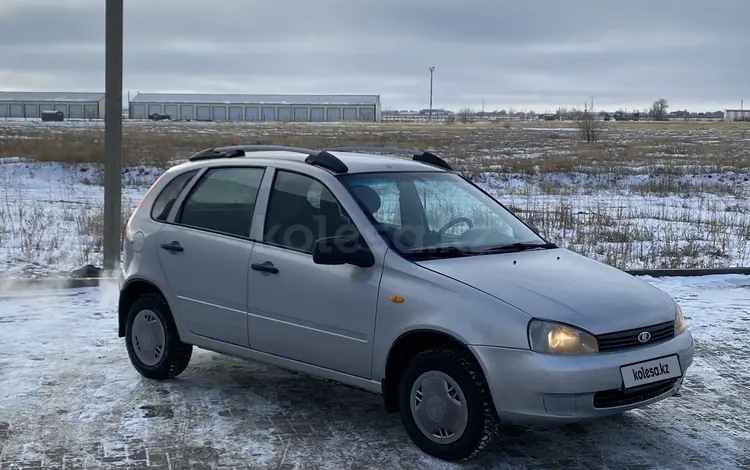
{"points": [[466, 115], [659, 109], [589, 123]]}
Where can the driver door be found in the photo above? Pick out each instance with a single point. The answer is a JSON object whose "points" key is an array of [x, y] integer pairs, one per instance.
{"points": [[316, 314]]}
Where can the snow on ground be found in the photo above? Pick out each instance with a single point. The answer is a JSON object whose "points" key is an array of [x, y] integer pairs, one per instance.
{"points": [[69, 398], [554, 129], [51, 216]]}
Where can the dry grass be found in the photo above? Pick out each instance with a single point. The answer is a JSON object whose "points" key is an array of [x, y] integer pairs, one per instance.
{"points": [[527, 148]]}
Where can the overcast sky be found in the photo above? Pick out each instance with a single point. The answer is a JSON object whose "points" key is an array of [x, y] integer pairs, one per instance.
{"points": [[522, 54]]}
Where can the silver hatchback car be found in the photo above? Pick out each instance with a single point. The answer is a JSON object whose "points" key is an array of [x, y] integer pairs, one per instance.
{"points": [[394, 275]]}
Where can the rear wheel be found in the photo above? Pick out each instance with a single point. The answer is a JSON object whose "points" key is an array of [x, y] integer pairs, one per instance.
{"points": [[445, 406], [152, 341]]}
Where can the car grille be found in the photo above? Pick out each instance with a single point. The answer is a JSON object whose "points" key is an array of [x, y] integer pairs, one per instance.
{"points": [[629, 338], [624, 397]]}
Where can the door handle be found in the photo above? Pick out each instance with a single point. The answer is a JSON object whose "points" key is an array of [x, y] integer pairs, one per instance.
{"points": [[173, 247], [265, 267]]}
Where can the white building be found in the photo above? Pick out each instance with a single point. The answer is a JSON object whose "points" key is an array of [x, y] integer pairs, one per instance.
{"points": [[30, 104], [269, 108], [737, 114]]}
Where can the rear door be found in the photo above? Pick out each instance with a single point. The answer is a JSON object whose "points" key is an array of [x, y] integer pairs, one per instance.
{"points": [[205, 252]]}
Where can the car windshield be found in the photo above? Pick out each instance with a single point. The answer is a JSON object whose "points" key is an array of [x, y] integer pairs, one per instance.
{"points": [[438, 214]]}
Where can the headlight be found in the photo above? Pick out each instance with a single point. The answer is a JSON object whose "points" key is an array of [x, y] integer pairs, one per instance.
{"points": [[679, 320], [556, 338]]}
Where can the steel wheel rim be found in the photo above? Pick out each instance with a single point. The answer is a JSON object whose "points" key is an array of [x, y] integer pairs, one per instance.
{"points": [[438, 407], [148, 337]]}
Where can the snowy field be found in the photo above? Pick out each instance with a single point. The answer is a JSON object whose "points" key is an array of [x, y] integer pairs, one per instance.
{"points": [[649, 195], [70, 399], [51, 219], [51, 214]]}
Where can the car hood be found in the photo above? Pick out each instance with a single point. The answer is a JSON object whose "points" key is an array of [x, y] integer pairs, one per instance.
{"points": [[563, 286]]}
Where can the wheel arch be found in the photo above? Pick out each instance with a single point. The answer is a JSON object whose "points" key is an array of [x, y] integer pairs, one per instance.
{"points": [[406, 347], [130, 292]]}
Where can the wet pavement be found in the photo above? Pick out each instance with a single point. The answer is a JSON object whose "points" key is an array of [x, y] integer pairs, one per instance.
{"points": [[69, 399]]}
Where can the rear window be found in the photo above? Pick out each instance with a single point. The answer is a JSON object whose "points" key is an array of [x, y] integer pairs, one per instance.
{"points": [[168, 196]]}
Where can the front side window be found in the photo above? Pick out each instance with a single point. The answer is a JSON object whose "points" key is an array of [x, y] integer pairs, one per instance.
{"points": [[426, 212], [301, 210], [223, 201]]}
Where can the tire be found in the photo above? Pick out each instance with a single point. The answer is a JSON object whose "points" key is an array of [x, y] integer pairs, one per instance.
{"points": [[175, 355], [480, 420]]}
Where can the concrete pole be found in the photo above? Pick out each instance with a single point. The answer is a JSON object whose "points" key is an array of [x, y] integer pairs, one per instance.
{"points": [[113, 135]]}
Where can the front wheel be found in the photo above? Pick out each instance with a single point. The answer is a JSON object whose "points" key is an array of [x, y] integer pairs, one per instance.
{"points": [[444, 405], [151, 337]]}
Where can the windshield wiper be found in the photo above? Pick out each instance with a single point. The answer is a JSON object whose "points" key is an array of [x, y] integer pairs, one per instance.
{"points": [[456, 252], [440, 252], [518, 247]]}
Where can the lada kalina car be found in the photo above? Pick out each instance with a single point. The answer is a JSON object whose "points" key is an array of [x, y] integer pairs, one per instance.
{"points": [[394, 275]]}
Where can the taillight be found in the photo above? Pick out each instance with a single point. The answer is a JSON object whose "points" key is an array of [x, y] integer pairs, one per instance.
{"points": [[127, 224]]}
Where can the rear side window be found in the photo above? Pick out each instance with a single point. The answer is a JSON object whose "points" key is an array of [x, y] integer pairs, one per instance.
{"points": [[223, 201], [167, 197]]}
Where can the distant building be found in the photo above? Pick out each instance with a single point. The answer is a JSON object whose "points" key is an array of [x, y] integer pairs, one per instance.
{"points": [[621, 115], [269, 108], [30, 104], [436, 112], [737, 114]]}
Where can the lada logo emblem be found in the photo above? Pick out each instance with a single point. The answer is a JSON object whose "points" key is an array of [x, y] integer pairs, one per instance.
{"points": [[644, 336]]}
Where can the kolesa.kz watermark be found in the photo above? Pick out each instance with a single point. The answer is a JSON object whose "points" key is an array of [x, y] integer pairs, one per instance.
{"points": [[643, 373]]}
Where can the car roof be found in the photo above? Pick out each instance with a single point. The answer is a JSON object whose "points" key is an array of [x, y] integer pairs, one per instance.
{"points": [[357, 162]]}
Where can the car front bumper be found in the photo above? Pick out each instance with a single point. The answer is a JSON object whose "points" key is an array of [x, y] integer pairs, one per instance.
{"points": [[543, 389]]}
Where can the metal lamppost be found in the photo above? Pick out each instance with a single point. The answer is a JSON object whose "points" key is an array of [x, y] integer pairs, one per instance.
{"points": [[432, 71]]}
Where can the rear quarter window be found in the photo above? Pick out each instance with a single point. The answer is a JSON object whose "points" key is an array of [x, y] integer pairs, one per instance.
{"points": [[166, 199]]}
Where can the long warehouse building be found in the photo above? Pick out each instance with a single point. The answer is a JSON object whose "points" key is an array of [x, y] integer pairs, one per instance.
{"points": [[737, 114], [268, 108], [31, 104]]}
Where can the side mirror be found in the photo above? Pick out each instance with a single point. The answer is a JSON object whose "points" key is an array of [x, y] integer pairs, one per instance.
{"points": [[342, 250]]}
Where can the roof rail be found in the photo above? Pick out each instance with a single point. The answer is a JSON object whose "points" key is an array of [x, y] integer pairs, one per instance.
{"points": [[421, 156], [319, 158], [327, 160], [432, 159], [213, 152], [242, 150]]}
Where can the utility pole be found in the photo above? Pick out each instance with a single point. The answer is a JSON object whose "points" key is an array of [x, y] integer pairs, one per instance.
{"points": [[432, 71], [113, 134]]}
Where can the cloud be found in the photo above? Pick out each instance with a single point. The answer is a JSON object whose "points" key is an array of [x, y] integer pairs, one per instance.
{"points": [[535, 54]]}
